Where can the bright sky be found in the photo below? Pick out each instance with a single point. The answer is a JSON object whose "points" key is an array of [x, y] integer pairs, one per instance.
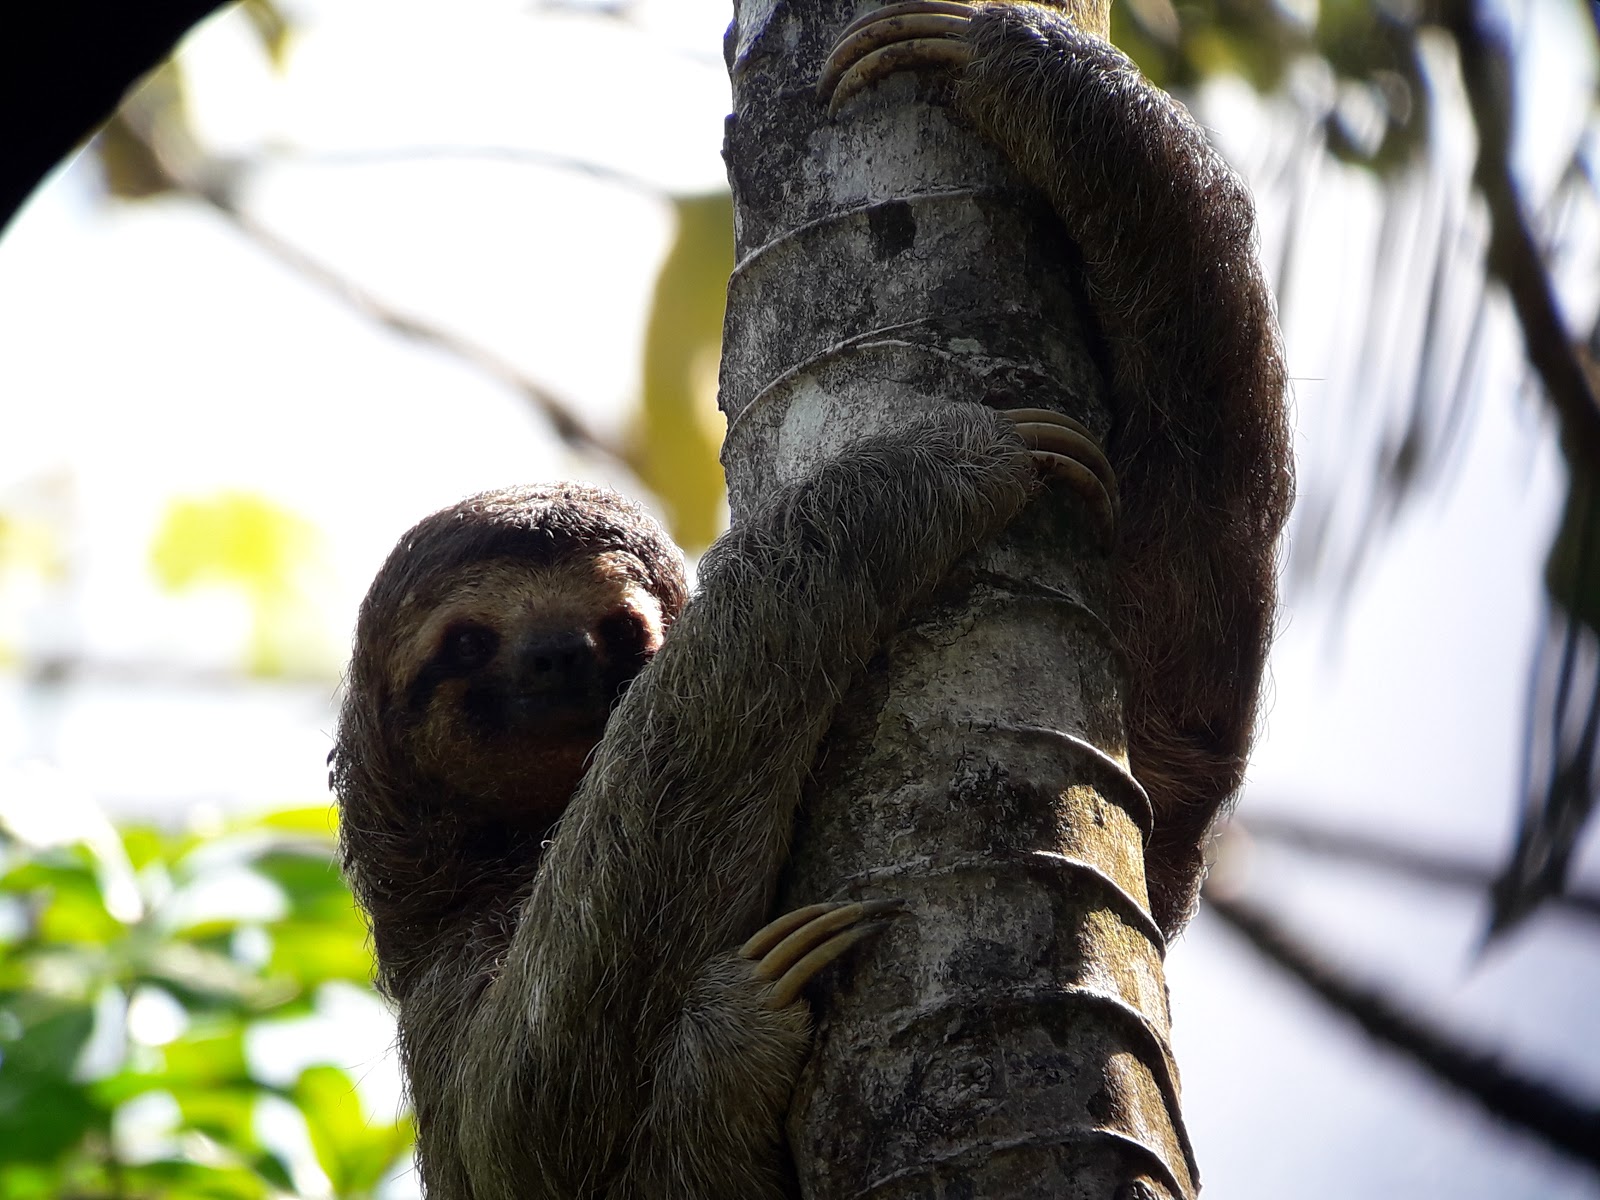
{"points": [[148, 352]]}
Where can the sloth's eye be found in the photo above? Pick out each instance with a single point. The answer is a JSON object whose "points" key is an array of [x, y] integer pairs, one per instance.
{"points": [[468, 646], [624, 635]]}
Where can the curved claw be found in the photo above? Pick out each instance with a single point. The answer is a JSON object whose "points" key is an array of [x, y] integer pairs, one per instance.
{"points": [[791, 950], [951, 8], [1065, 449], [899, 37]]}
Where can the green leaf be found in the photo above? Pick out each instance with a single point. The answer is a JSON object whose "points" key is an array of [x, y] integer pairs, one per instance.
{"points": [[316, 821], [71, 948], [202, 979], [147, 847], [274, 1170], [680, 430], [21, 1180], [183, 1179], [311, 883], [43, 1036], [225, 1115], [43, 1110], [64, 886], [312, 953], [356, 1153], [209, 1058]]}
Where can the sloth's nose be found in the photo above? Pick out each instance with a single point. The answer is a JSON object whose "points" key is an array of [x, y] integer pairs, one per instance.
{"points": [[556, 661]]}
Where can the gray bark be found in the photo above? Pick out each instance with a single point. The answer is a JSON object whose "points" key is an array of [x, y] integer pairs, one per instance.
{"points": [[1009, 1037]]}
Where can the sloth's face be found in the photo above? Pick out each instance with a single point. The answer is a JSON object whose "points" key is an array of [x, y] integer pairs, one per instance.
{"points": [[506, 684]]}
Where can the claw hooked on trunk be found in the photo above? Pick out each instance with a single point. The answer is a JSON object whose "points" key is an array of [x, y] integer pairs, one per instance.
{"points": [[899, 37], [1064, 449], [792, 949]]}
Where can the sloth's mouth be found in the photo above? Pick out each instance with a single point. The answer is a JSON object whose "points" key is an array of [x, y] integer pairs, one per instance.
{"points": [[542, 712], [558, 714]]}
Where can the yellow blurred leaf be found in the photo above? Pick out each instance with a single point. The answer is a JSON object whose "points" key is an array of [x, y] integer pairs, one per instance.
{"points": [[245, 541], [30, 545], [157, 109], [131, 171], [319, 821], [272, 28], [233, 537], [680, 430]]}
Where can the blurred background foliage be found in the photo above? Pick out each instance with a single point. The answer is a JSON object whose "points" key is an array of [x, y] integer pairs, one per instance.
{"points": [[246, 544], [679, 431], [137, 968], [140, 965]]}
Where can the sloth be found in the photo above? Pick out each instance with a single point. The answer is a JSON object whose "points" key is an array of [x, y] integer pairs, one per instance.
{"points": [[1199, 446], [566, 793], [566, 789]]}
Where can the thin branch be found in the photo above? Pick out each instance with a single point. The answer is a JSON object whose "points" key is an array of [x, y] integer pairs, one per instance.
{"points": [[1407, 861], [63, 671], [1514, 254], [517, 155], [213, 183], [1562, 1121], [575, 433]]}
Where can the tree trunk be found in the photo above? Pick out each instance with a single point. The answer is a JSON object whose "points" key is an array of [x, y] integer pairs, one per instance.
{"points": [[1009, 1038]]}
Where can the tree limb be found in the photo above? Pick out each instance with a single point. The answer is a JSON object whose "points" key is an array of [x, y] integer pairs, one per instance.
{"points": [[215, 183], [1514, 254], [1411, 862], [1555, 1117]]}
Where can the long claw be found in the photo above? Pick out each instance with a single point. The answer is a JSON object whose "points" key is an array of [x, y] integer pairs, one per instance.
{"points": [[1066, 450], [919, 34], [769, 935], [793, 948], [787, 988], [1044, 429], [951, 8]]}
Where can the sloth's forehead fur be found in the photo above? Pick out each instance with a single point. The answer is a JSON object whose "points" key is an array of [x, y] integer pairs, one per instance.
{"points": [[561, 545], [539, 525], [509, 594]]}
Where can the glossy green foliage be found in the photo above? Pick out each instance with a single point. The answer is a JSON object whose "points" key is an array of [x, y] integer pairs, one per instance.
{"points": [[135, 967]]}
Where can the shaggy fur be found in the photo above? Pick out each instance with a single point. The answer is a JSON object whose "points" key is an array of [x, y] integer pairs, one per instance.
{"points": [[574, 1017], [1200, 442]]}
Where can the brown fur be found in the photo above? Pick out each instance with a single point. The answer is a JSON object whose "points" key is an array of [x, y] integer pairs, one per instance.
{"points": [[432, 855], [1200, 442], [574, 1018], [572, 595], [574, 1021]]}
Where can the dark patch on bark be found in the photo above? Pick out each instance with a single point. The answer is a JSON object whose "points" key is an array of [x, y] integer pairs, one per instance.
{"points": [[1101, 1106], [894, 229]]}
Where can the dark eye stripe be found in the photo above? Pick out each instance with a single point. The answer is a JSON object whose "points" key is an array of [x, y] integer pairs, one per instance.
{"points": [[625, 636], [467, 646], [422, 688], [463, 648]]}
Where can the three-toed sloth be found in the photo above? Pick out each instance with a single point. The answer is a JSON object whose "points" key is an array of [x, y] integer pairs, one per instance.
{"points": [[566, 789]]}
